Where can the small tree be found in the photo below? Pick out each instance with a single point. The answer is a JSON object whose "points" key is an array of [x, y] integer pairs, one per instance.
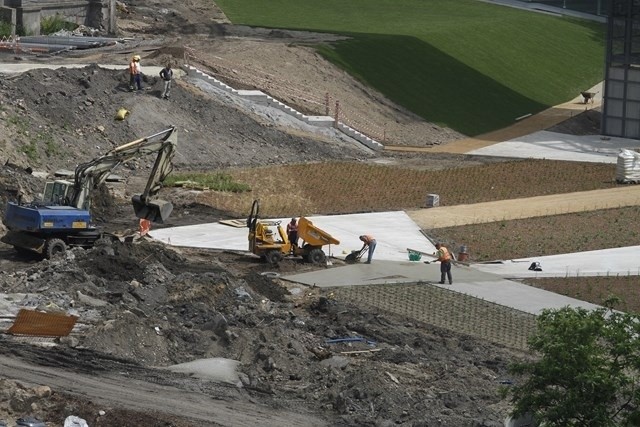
{"points": [[588, 372]]}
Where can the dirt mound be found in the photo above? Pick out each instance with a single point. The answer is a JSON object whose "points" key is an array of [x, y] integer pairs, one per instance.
{"points": [[59, 118], [586, 123], [149, 304]]}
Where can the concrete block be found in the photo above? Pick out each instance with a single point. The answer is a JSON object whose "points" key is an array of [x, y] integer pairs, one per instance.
{"points": [[321, 121]]}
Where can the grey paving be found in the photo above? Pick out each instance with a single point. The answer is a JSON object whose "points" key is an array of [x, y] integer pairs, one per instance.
{"points": [[558, 146], [545, 8]]}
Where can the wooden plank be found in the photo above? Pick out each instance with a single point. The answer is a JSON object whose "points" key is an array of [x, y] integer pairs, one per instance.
{"points": [[39, 324], [238, 223]]}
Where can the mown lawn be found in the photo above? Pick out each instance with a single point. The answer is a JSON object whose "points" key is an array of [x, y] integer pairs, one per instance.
{"points": [[465, 64]]}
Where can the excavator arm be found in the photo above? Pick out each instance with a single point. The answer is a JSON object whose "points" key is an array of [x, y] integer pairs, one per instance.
{"points": [[90, 175]]}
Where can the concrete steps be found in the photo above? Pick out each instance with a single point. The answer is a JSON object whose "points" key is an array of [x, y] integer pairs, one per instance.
{"points": [[262, 98]]}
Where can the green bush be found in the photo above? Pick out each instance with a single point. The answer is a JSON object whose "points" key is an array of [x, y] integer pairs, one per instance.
{"points": [[5, 29], [211, 181], [54, 23]]}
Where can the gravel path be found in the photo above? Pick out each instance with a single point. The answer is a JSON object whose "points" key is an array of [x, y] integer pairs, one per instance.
{"points": [[556, 204]]}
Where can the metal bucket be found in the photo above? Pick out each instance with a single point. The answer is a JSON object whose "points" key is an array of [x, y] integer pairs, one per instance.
{"points": [[157, 210]]}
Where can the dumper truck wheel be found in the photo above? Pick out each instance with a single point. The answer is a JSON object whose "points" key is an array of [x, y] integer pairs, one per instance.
{"points": [[54, 247], [273, 257], [316, 256]]}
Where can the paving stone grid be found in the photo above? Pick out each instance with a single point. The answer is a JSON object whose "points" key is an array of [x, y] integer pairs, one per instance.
{"points": [[446, 309]]}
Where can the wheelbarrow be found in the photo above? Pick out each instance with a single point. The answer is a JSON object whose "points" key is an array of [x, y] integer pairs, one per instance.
{"points": [[588, 96], [355, 256]]}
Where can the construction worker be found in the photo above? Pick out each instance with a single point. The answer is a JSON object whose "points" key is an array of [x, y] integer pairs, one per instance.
{"points": [[444, 256], [135, 73], [370, 243], [292, 233], [167, 75]]}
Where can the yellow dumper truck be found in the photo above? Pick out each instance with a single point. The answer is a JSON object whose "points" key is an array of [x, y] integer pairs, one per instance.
{"points": [[269, 240]]}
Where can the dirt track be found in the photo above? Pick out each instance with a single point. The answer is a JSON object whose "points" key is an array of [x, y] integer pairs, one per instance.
{"points": [[153, 397]]}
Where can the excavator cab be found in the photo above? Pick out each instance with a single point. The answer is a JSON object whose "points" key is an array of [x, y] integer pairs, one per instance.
{"points": [[57, 192]]}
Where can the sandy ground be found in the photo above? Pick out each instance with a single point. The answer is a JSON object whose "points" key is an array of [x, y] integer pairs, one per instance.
{"points": [[504, 210]]}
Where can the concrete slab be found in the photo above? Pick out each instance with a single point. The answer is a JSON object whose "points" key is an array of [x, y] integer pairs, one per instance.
{"points": [[605, 262], [22, 67], [558, 146], [466, 280], [377, 273], [394, 232]]}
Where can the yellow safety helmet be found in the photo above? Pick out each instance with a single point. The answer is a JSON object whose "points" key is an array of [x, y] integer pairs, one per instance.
{"points": [[136, 57]]}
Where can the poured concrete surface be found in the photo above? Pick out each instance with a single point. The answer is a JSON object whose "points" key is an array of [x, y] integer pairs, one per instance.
{"points": [[604, 262], [393, 231], [559, 146], [466, 280]]}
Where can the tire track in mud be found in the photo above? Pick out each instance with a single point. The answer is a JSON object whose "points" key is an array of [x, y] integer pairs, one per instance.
{"points": [[117, 382]]}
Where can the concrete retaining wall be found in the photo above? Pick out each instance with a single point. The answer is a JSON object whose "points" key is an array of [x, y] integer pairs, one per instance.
{"points": [[262, 98], [8, 14], [92, 13]]}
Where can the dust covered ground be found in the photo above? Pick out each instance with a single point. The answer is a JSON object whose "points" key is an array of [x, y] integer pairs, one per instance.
{"points": [[143, 307]]}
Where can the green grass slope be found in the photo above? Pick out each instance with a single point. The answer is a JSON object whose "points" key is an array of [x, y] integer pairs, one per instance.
{"points": [[465, 64]]}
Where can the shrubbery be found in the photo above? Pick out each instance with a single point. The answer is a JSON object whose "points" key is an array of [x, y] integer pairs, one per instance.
{"points": [[55, 23], [5, 29]]}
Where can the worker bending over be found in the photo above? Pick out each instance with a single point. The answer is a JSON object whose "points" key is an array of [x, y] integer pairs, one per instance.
{"points": [[370, 243]]}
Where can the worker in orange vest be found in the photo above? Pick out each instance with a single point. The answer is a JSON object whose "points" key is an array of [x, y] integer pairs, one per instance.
{"points": [[444, 256], [369, 242], [145, 226]]}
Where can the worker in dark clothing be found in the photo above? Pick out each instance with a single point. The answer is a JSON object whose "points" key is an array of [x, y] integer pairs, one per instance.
{"points": [[292, 233], [167, 75], [370, 243], [444, 256]]}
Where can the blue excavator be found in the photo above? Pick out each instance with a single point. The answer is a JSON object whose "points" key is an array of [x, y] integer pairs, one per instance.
{"points": [[63, 219]]}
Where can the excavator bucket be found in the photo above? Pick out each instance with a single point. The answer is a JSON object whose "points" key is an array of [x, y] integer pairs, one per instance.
{"points": [[156, 210]]}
